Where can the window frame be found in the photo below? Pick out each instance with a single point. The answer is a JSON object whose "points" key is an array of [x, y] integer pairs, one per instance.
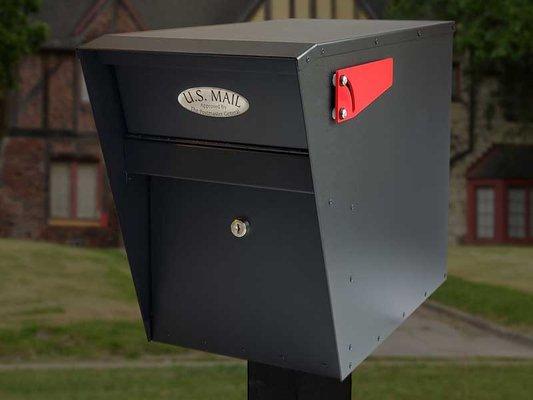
{"points": [[527, 186], [73, 220], [471, 211], [501, 199], [494, 212]]}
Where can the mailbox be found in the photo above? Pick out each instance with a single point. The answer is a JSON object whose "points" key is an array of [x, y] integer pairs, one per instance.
{"points": [[282, 186]]}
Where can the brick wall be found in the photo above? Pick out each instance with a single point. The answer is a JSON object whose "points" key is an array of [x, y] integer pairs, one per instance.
{"points": [[60, 94], [24, 191], [30, 94], [52, 121], [23, 206], [22, 187]]}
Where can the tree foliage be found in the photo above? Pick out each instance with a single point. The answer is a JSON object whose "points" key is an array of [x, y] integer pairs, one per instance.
{"points": [[496, 38], [20, 35]]}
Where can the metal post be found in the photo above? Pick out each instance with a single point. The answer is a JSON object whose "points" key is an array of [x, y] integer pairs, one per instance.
{"points": [[273, 383]]}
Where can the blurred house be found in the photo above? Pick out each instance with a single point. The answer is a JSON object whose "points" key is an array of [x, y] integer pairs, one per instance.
{"points": [[52, 183], [52, 179], [491, 198], [500, 196]]}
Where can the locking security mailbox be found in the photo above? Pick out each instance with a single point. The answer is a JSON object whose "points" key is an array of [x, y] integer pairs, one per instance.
{"points": [[282, 186]]}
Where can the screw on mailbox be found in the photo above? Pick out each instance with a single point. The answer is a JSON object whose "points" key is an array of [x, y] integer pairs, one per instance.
{"points": [[343, 113], [343, 80]]}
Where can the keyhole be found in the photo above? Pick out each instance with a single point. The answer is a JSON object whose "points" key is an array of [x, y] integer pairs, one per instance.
{"points": [[239, 228]]}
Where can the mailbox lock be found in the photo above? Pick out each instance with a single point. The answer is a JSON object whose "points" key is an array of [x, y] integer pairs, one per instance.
{"points": [[240, 227]]}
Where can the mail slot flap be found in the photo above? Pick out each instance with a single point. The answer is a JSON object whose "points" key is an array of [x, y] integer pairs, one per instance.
{"points": [[280, 171], [196, 98]]}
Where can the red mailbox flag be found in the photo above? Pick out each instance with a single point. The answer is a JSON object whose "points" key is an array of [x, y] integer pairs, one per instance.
{"points": [[358, 86]]}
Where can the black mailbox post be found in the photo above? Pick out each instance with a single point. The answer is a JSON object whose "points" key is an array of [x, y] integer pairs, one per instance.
{"points": [[282, 186]]}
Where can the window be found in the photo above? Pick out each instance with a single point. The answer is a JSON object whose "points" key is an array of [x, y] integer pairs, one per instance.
{"points": [[74, 191], [520, 212], [87, 191], [516, 213], [60, 190], [281, 9], [485, 213]]}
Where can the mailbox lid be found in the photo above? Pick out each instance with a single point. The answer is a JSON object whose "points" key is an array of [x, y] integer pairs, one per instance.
{"points": [[257, 62], [289, 38]]}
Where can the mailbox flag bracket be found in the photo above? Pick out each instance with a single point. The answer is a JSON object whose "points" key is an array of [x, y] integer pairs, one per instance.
{"points": [[358, 86]]}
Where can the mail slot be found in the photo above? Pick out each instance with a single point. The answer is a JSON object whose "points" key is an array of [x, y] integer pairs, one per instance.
{"points": [[282, 186]]}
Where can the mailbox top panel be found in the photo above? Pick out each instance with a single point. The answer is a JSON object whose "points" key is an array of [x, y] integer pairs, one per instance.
{"points": [[290, 38]]}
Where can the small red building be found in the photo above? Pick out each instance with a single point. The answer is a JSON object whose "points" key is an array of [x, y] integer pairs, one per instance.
{"points": [[500, 196]]}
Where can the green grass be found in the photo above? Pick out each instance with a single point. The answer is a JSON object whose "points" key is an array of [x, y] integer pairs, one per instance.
{"points": [[45, 283], [67, 302], [81, 340], [499, 304], [446, 381], [508, 266], [493, 282]]}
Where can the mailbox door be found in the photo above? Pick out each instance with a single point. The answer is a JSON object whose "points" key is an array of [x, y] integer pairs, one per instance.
{"points": [[261, 297]]}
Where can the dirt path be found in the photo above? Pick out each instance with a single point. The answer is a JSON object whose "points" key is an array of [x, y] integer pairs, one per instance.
{"points": [[428, 333], [165, 363], [119, 364]]}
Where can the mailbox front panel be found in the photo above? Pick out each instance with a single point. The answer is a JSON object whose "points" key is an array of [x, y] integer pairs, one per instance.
{"points": [[273, 117], [260, 297]]}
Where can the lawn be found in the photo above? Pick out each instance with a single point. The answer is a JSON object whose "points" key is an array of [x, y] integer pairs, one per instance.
{"points": [[509, 266], [66, 302], [373, 380], [63, 301], [55, 284], [499, 304], [493, 282], [95, 339]]}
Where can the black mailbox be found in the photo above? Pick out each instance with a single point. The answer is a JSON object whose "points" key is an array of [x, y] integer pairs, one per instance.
{"points": [[282, 186]]}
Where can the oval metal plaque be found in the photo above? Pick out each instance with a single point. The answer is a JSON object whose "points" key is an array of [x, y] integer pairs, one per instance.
{"points": [[213, 102]]}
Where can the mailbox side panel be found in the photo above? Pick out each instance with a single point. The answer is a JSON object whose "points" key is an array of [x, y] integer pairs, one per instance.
{"points": [[381, 186], [129, 192]]}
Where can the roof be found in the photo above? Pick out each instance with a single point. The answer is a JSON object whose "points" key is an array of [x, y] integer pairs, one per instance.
{"points": [[290, 38], [63, 16], [504, 161]]}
